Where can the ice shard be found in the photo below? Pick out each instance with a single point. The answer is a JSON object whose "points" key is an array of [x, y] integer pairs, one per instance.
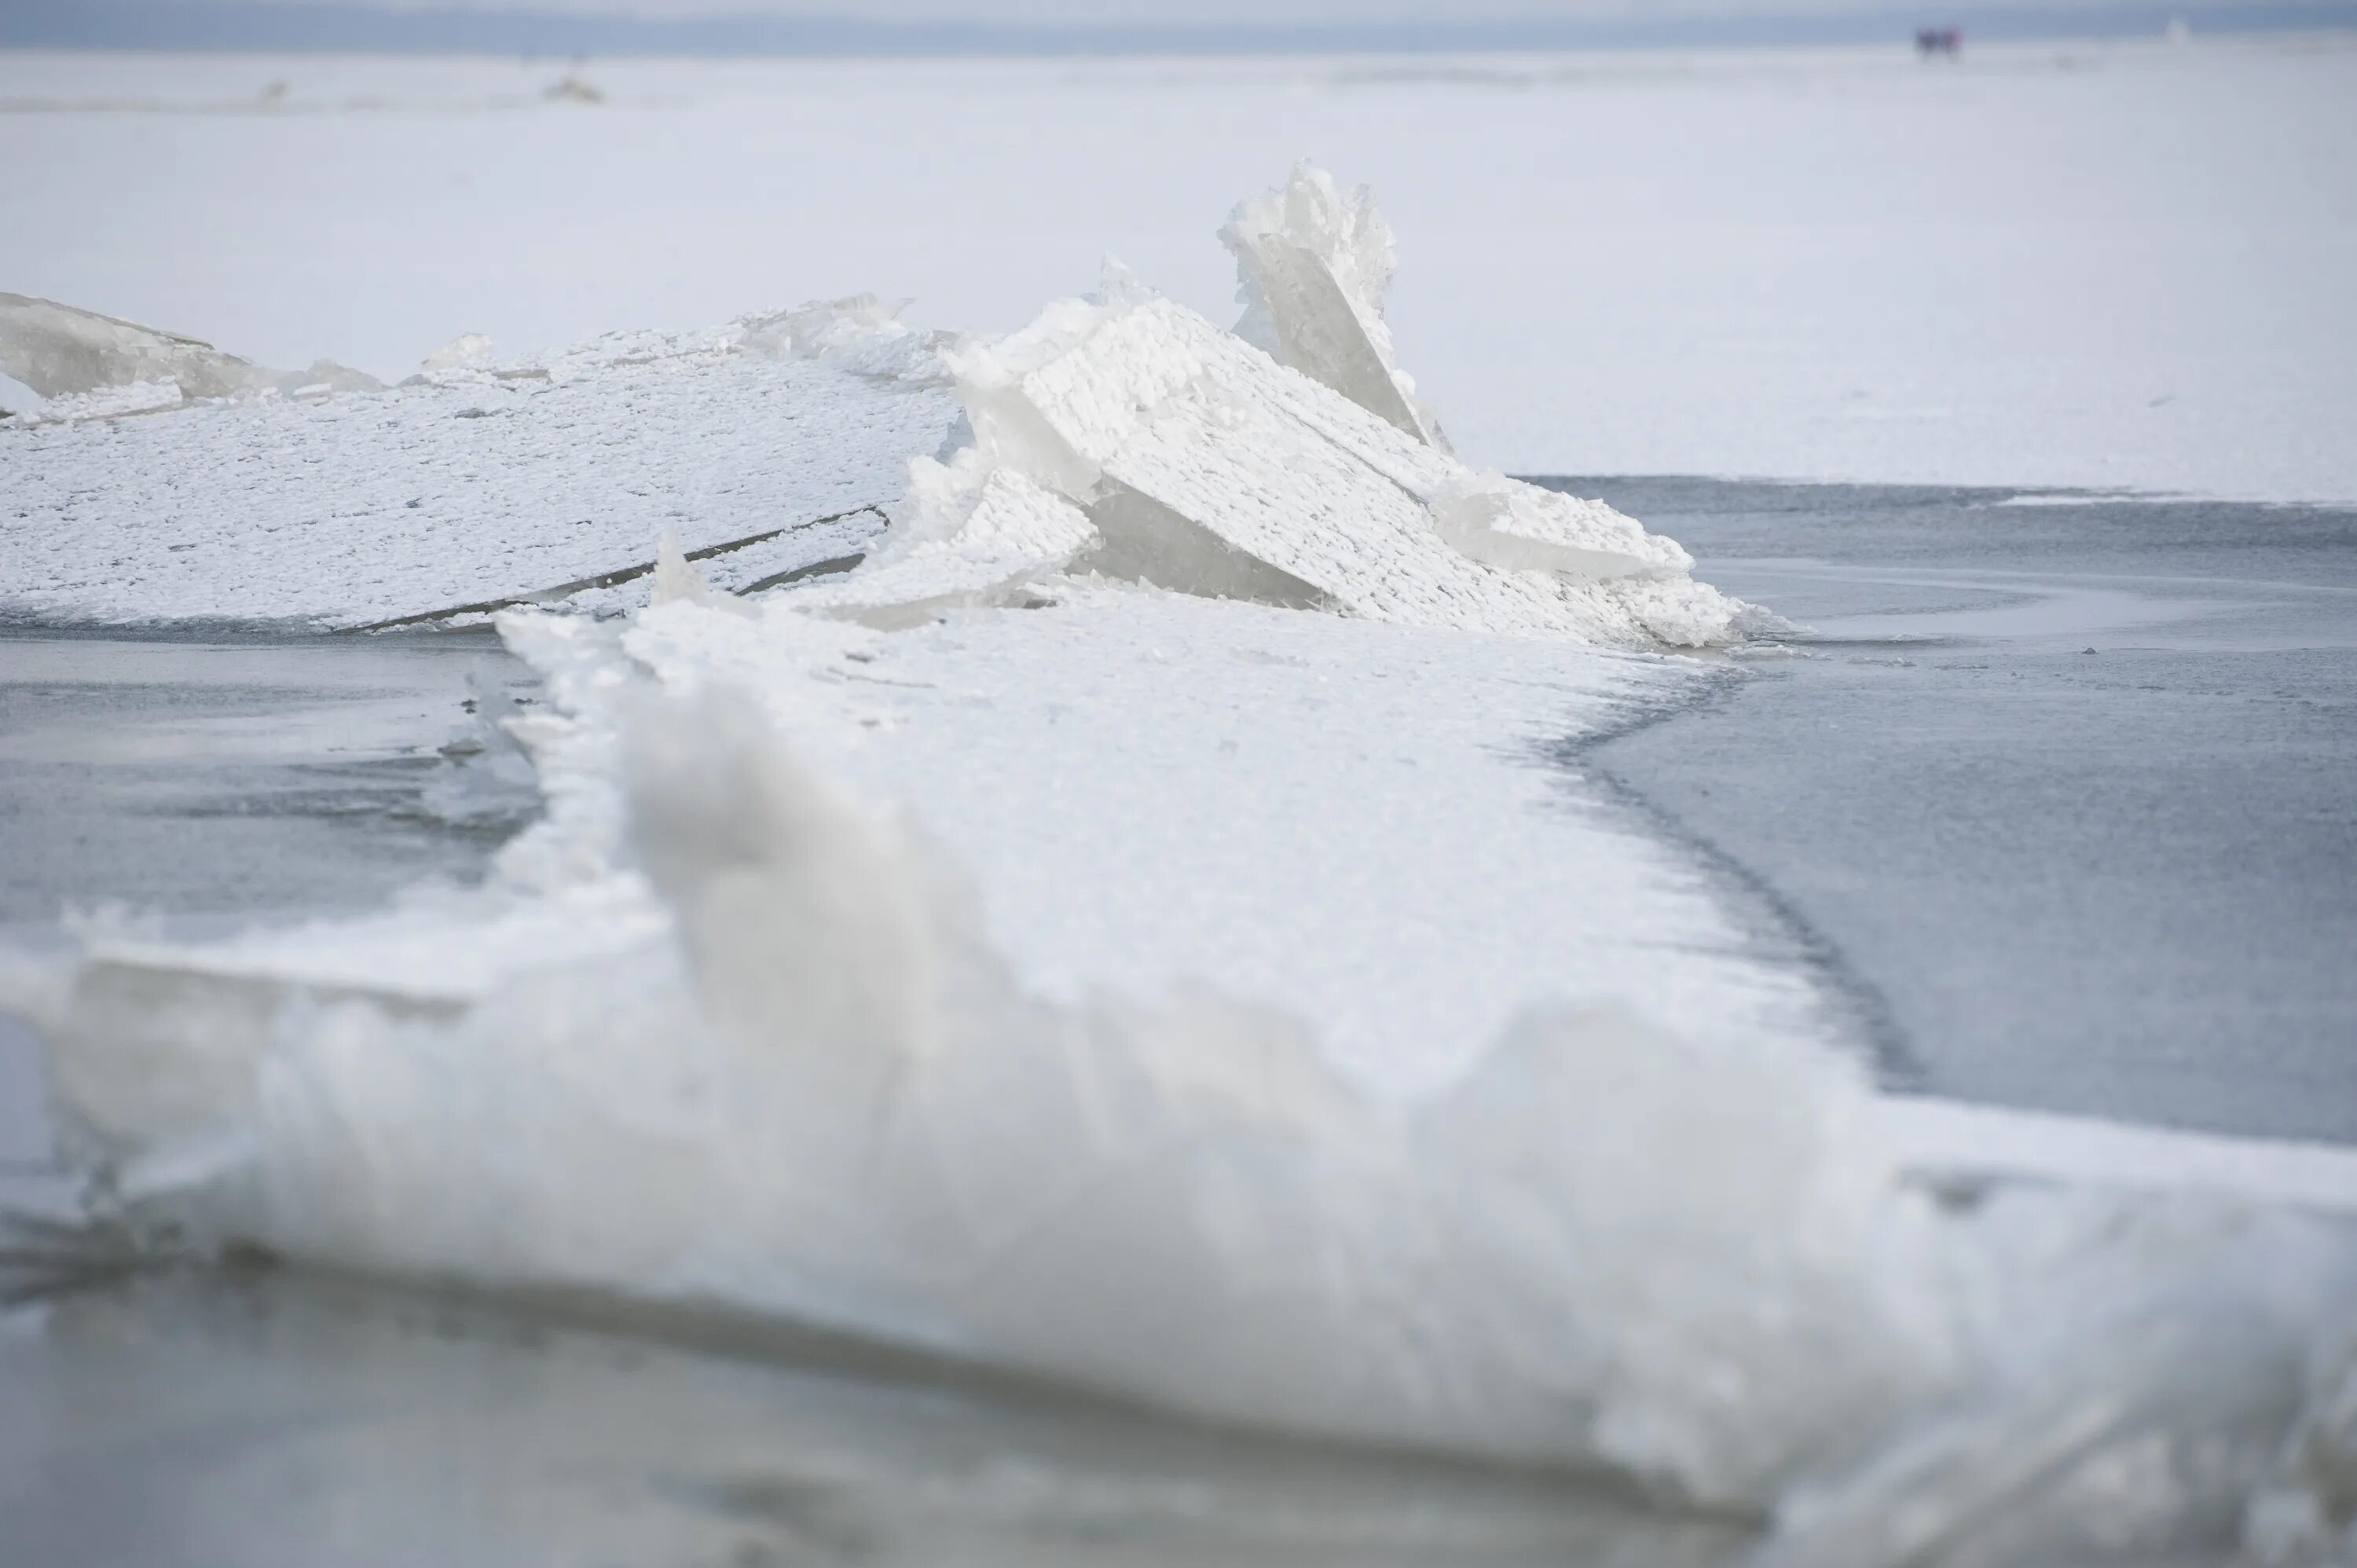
{"points": [[1313, 262]]}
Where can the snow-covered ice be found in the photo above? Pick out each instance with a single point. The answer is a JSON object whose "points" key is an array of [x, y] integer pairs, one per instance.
{"points": [[1144, 925], [762, 448]]}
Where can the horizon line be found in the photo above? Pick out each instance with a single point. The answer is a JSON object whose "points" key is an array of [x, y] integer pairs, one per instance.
{"points": [[227, 26]]}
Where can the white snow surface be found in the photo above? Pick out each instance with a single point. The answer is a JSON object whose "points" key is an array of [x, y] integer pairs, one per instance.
{"points": [[2113, 266], [774, 444], [1184, 746]]}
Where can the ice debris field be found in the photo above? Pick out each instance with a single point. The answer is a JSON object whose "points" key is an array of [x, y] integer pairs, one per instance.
{"points": [[1050, 857]]}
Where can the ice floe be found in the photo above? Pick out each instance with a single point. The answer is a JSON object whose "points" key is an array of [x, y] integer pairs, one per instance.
{"points": [[1207, 467], [1121, 436], [769, 448]]}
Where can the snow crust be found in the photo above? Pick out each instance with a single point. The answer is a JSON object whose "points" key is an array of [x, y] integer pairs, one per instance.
{"points": [[768, 447]]}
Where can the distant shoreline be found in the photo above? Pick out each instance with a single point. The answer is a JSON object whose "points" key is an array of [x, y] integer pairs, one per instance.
{"points": [[216, 27]]}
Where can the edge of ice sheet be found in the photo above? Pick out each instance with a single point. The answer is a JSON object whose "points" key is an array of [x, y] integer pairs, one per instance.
{"points": [[769, 446], [1955, 1140]]}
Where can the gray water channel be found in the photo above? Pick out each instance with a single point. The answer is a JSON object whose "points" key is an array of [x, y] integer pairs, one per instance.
{"points": [[220, 776], [2064, 788], [2060, 790]]}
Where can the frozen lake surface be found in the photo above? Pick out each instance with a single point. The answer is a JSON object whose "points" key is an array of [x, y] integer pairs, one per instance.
{"points": [[2122, 264], [2122, 883]]}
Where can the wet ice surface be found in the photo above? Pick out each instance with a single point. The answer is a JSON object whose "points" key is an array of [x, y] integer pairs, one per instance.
{"points": [[260, 1422], [2062, 786], [201, 779], [220, 776]]}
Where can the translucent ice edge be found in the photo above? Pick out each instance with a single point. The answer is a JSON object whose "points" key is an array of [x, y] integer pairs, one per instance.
{"points": [[769, 448]]}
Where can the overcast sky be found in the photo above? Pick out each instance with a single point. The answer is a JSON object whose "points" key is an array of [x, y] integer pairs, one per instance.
{"points": [[1276, 11]]}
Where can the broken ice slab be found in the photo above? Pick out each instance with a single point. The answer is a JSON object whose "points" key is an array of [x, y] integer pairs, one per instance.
{"points": [[1313, 262], [1206, 467], [411, 503], [60, 351]]}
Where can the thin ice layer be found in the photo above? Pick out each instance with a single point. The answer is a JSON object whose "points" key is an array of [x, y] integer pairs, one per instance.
{"points": [[767, 448]]}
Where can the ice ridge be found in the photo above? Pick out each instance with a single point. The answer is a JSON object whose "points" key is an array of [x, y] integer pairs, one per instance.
{"points": [[1204, 466]]}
